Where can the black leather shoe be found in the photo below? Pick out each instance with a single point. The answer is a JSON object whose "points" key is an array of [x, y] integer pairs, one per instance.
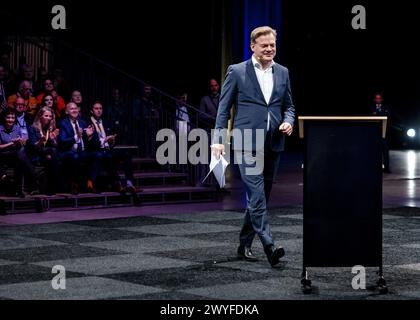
{"points": [[246, 254], [274, 254]]}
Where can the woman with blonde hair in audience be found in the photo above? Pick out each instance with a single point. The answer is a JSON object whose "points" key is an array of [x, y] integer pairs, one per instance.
{"points": [[42, 145]]}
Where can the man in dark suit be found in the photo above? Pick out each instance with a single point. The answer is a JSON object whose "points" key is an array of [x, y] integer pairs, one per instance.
{"points": [[109, 156], [77, 143], [209, 104], [260, 89], [378, 108]]}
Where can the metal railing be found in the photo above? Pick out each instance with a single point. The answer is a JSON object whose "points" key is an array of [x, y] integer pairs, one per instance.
{"points": [[137, 117], [34, 51]]}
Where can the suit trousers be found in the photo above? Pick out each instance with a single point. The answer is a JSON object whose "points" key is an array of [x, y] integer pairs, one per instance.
{"points": [[258, 170]]}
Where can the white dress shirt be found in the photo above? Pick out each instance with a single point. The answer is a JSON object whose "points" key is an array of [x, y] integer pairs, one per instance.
{"points": [[23, 126], [101, 132], [76, 137], [182, 119], [266, 82]]}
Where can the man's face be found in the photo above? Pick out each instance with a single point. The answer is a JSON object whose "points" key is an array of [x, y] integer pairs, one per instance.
{"points": [[72, 110], [378, 99], [264, 48], [214, 86], [20, 105], [147, 91], [26, 90], [97, 110], [48, 85], [183, 98], [76, 97], [116, 94], [28, 72]]}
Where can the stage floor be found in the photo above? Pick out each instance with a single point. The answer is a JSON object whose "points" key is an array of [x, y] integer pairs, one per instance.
{"points": [[189, 251], [191, 256], [400, 188]]}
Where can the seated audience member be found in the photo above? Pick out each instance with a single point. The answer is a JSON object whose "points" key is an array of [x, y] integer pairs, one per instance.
{"points": [[77, 98], [61, 84], [12, 153], [48, 88], [111, 157], [25, 92], [49, 101], [42, 146], [182, 115], [146, 116], [77, 143], [118, 115], [28, 74], [209, 105], [25, 73], [42, 74], [23, 119]]}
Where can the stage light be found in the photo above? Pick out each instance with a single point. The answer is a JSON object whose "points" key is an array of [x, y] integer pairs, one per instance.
{"points": [[411, 133]]}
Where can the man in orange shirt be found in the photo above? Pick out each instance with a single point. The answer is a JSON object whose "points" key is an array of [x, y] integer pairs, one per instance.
{"points": [[25, 92]]}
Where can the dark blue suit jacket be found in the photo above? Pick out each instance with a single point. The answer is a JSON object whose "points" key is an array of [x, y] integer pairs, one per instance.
{"points": [[66, 137], [241, 88], [108, 127]]}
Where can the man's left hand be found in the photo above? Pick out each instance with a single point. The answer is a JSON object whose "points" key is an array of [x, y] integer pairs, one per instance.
{"points": [[286, 128]]}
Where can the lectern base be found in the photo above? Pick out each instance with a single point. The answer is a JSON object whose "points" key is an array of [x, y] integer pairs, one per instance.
{"points": [[307, 283]]}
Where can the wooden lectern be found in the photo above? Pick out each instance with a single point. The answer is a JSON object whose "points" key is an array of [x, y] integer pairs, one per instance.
{"points": [[342, 195]]}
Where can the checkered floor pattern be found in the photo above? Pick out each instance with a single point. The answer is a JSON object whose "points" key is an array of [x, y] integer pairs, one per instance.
{"points": [[191, 256]]}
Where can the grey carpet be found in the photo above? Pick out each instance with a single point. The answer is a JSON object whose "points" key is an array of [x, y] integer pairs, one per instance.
{"points": [[192, 257]]}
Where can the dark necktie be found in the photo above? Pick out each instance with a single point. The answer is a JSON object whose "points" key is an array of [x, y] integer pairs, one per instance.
{"points": [[79, 142], [101, 133]]}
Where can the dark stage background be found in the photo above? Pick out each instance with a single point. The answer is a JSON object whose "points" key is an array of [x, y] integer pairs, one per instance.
{"points": [[176, 45]]}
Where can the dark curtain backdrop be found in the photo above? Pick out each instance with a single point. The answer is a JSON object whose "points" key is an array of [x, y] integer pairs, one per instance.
{"points": [[177, 45]]}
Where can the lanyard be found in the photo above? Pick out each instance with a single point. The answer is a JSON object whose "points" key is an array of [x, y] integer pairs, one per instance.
{"points": [[21, 124], [46, 136]]}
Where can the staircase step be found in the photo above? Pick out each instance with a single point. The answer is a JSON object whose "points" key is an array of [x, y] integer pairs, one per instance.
{"points": [[143, 179], [176, 189], [149, 196], [147, 164], [144, 160], [157, 174]]}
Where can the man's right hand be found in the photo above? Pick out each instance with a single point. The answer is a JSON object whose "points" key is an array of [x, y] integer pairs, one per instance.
{"points": [[89, 131], [217, 150]]}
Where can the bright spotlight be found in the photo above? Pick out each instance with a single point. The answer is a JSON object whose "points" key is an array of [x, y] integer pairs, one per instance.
{"points": [[411, 133]]}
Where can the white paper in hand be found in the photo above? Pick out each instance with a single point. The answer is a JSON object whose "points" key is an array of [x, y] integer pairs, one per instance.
{"points": [[218, 167]]}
